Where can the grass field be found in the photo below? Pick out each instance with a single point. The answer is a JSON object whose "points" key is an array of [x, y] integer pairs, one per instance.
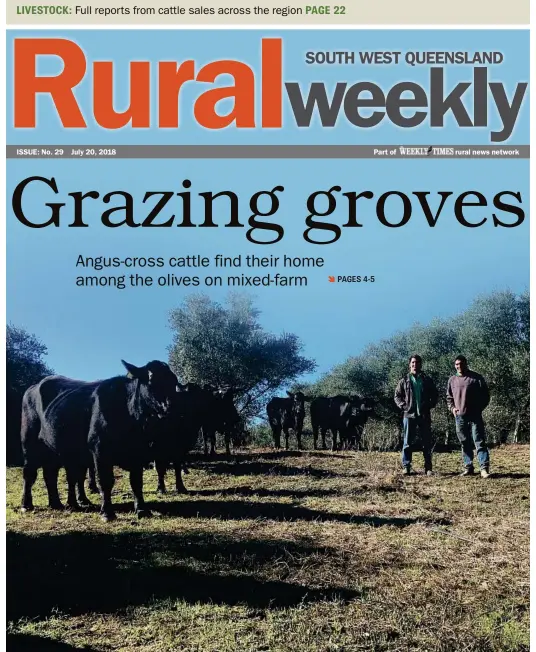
{"points": [[296, 552]]}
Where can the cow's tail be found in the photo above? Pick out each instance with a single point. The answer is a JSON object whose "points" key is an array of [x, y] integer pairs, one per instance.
{"points": [[30, 424]]}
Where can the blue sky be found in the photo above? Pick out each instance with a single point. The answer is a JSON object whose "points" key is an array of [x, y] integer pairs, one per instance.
{"points": [[420, 272]]}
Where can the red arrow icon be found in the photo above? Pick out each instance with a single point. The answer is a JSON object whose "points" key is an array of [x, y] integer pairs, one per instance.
{"points": [[331, 279]]}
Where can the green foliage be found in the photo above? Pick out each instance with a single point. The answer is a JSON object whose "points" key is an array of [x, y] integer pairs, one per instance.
{"points": [[493, 333], [24, 367], [226, 346]]}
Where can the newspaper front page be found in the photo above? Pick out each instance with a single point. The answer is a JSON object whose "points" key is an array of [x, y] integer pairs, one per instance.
{"points": [[267, 299]]}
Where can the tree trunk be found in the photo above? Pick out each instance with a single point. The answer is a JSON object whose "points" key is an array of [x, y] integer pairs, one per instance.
{"points": [[516, 428]]}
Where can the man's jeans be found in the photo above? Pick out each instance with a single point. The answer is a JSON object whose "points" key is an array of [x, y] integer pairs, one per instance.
{"points": [[471, 433], [414, 428]]}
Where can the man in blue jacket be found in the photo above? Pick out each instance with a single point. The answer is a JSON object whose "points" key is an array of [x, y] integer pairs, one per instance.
{"points": [[416, 395]]}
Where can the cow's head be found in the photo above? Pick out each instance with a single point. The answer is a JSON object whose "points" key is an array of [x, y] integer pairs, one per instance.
{"points": [[366, 405], [160, 384], [298, 402]]}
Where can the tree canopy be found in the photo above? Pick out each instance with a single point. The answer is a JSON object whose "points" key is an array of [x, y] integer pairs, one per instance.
{"points": [[493, 333], [226, 346], [24, 367]]}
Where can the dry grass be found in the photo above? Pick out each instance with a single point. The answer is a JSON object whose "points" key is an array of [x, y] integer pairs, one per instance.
{"points": [[282, 552]]}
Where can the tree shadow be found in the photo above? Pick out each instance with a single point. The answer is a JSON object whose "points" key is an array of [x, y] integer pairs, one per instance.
{"points": [[512, 476], [32, 643], [78, 573]]}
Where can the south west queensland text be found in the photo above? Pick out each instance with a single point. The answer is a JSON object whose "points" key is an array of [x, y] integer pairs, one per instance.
{"points": [[52, 205], [260, 96], [412, 58]]}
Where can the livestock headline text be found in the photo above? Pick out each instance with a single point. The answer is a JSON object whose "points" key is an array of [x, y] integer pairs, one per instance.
{"points": [[40, 202]]}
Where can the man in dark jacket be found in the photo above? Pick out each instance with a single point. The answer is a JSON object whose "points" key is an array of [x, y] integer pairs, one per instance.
{"points": [[416, 395], [467, 397]]}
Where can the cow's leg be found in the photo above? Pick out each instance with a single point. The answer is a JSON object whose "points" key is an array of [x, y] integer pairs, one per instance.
{"points": [[50, 474], [161, 468], [179, 484], [136, 483], [205, 441], [227, 442], [298, 437], [276, 431], [105, 476], [323, 435], [209, 436], [358, 437], [83, 500], [212, 451], [92, 482], [73, 476], [285, 430], [29, 474], [29, 433], [315, 437], [334, 439]]}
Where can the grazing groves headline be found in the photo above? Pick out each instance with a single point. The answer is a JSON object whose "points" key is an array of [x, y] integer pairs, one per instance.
{"points": [[160, 208], [259, 98]]}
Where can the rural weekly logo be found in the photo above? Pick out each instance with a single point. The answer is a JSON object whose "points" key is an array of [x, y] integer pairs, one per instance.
{"points": [[361, 103]]}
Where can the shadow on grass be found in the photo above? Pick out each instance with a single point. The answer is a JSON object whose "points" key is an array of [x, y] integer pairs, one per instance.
{"points": [[511, 476], [245, 510], [79, 572], [240, 467], [267, 493], [31, 643]]}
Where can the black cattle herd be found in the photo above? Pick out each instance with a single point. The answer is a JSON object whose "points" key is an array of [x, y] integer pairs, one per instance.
{"points": [[148, 416]]}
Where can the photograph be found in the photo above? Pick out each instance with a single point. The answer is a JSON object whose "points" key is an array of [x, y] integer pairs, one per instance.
{"points": [[267, 333]]}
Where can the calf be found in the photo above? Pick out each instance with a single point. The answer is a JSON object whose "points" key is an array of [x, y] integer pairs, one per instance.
{"points": [[72, 423], [286, 414]]}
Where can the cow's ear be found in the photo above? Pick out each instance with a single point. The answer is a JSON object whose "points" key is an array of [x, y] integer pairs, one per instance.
{"points": [[290, 394], [133, 371]]}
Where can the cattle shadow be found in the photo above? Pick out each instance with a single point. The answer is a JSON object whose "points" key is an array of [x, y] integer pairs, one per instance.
{"points": [[79, 573], [241, 468], [267, 493], [239, 510], [250, 457], [511, 476], [32, 643]]}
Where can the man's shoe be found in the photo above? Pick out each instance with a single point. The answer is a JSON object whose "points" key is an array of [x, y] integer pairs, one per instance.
{"points": [[429, 472], [468, 471], [406, 470], [484, 473]]}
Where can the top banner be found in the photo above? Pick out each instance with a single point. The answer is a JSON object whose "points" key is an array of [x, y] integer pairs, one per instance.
{"points": [[268, 12]]}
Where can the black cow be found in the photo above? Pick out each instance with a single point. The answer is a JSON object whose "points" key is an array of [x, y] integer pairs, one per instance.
{"points": [[70, 423], [286, 414], [178, 433], [220, 416], [344, 416], [361, 410]]}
